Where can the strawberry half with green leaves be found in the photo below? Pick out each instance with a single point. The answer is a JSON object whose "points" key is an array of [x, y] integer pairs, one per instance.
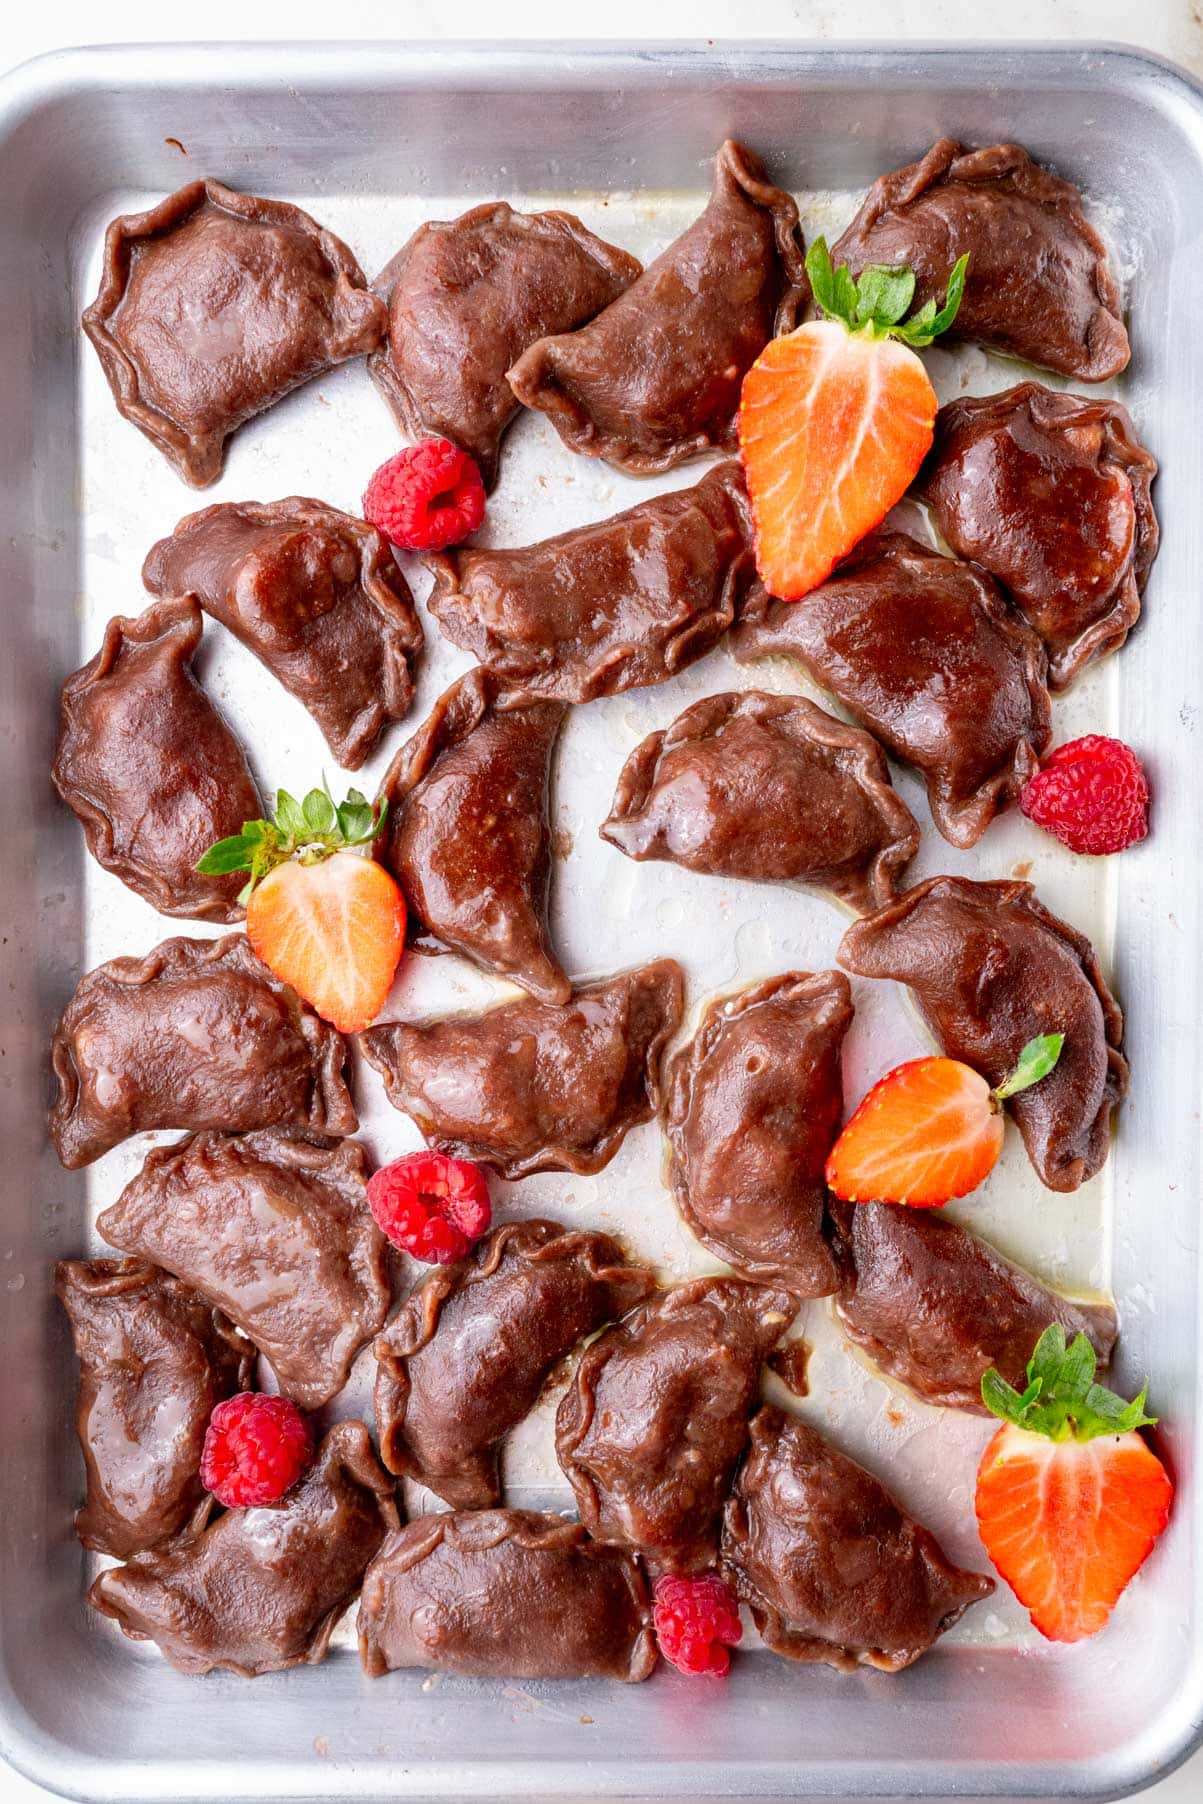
{"points": [[930, 1130], [836, 417], [1070, 1497], [322, 917]]}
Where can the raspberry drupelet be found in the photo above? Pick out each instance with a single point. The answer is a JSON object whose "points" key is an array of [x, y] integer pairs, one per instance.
{"points": [[426, 497], [1091, 794], [697, 1620], [430, 1205], [256, 1447]]}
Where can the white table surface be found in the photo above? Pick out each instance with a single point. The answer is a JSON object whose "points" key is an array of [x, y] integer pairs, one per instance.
{"points": [[1172, 27]]}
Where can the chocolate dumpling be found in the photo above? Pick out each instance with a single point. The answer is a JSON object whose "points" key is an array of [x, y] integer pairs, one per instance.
{"points": [[653, 1424], [754, 1107], [316, 595], [1038, 284], [618, 605], [924, 651], [534, 1086], [767, 787], [212, 306], [505, 1594], [261, 1589], [468, 832], [466, 297], [198, 1034], [468, 1353], [933, 1306], [991, 968], [655, 378], [150, 767], [831, 1567], [154, 1360], [277, 1232], [1049, 492]]}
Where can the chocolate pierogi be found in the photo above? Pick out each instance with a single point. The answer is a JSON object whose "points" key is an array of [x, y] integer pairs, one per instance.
{"points": [[150, 767], [991, 968], [154, 1360], [277, 1232], [830, 1566], [650, 1430], [754, 1106], [468, 832], [934, 1306], [532, 1086], [1049, 492], [1038, 284], [618, 605], [655, 378], [467, 1355], [260, 1590], [213, 305], [771, 788], [198, 1034], [505, 1594], [466, 297], [924, 651], [316, 595]]}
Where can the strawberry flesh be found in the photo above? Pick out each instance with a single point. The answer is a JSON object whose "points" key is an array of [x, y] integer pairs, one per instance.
{"points": [[927, 1132], [334, 931]]}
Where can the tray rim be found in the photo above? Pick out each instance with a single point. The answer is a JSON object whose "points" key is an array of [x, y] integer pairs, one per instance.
{"points": [[366, 63]]}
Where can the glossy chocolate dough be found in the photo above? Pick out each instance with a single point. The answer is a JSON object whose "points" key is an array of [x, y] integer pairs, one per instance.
{"points": [[466, 297], [771, 788], [754, 1106], [212, 306], [468, 832], [154, 1359], [531, 1087], [924, 652], [618, 605], [276, 1232], [655, 378], [1050, 493], [1038, 284], [198, 1034], [656, 1417], [791, 1364], [830, 1566], [934, 1306], [260, 1590], [149, 765], [469, 1352], [505, 1594], [991, 968], [318, 598]]}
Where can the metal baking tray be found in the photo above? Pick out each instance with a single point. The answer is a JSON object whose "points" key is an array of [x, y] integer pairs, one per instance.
{"points": [[373, 139]]}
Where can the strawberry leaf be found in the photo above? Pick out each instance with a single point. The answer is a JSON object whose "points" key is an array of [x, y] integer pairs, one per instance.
{"points": [[1062, 1401], [1037, 1059], [310, 831], [875, 304]]}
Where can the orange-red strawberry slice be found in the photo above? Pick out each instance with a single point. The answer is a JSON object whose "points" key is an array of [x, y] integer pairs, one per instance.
{"points": [[1067, 1523], [927, 1131], [833, 428], [334, 931]]}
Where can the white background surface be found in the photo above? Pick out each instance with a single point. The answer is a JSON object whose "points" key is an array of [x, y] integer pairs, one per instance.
{"points": [[1173, 27]]}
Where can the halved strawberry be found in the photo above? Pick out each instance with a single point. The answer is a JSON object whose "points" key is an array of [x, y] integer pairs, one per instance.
{"points": [[930, 1130], [324, 918], [1070, 1497], [835, 419]]}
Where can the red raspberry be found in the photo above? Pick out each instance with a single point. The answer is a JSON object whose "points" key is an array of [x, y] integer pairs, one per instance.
{"points": [[1091, 794], [426, 497], [256, 1447], [697, 1620], [430, 1205]]}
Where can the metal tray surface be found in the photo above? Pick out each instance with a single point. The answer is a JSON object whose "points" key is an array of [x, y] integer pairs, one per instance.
{"points": [[374, 139]]}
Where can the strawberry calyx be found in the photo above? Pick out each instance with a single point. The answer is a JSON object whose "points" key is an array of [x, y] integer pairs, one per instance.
{"points": [[308, 831], [1037, 1059], [874, 304], [1061, 1400]]}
